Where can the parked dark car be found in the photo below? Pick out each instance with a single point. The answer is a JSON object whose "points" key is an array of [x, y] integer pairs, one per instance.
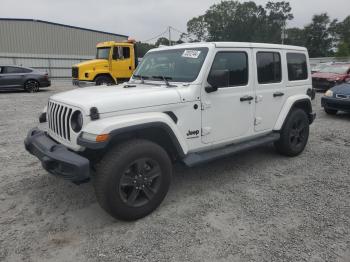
{"points": [[29, 79], [330, 76], [337, 99]]}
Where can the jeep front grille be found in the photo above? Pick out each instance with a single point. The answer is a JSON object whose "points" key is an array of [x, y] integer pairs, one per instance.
{"points": [[75, 72], [58, 117]]}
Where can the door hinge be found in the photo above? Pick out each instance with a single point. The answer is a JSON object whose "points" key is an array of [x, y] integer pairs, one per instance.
{"points": [[206, 130], [205, 105], [258, 98], [257, 121]]}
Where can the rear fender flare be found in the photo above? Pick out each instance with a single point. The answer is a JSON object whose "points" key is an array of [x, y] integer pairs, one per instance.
{"points": [[290, 103]]}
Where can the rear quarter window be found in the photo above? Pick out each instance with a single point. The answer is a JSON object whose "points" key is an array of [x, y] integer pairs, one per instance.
{"points": [[297, 66]]}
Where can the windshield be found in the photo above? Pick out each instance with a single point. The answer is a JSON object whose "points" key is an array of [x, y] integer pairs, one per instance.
{"points": [[335, 69], [177, 65], [103, 53]]}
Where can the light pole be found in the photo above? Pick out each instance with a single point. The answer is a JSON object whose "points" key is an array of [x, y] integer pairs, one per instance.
{"points": [[169, 35]]}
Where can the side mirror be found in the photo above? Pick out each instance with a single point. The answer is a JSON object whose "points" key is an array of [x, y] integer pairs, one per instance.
{"points": [[217, 79], [211, 89]]}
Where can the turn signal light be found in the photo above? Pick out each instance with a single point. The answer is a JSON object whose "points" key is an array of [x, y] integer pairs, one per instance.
{"points": [[102, 138]]}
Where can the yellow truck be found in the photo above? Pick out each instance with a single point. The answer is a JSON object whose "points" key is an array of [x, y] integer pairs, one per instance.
{"points": [[115, 62]]}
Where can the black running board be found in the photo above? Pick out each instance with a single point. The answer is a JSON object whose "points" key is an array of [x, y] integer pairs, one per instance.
{"points": [[194, 159]]}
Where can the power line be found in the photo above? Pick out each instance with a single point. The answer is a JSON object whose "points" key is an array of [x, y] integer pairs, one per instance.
{"points": [[165, 32], [179, 31], [156, 36]]}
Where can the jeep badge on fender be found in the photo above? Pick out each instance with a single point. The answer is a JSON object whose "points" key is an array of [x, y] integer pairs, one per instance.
{"points": [[131, 134]]}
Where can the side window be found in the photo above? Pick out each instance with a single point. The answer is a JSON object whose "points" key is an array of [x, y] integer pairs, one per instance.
{"points": [[297, 67], [269, 67], [121, 52], [126, 52], [234, 65], [12, 70], [1, 69]]}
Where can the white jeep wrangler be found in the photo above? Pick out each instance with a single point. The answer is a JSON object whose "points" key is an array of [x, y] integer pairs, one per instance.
{"points": [[190, 103]]}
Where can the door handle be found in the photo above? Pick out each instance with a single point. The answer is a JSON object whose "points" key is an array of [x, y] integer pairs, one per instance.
{"points": [[129, 67], [246, 98], [278, 94]]}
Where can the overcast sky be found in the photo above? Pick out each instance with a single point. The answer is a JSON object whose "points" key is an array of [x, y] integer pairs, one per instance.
{"points": [[144, 19]]}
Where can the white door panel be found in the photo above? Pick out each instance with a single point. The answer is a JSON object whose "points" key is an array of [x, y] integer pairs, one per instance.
{"points": [[270, 93], [224, 116]]}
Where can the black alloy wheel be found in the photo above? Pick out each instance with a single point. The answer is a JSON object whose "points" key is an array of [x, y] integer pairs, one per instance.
{"points": [[31, 86], [140, 182]]}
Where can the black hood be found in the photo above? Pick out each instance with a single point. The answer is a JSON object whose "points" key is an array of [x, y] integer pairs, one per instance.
{"points": [[342, 89]]}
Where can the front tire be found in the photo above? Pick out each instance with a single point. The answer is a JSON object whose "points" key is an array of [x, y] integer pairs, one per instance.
{"points": [[294, 135], [104, 80], [132, 179], [31, 86]]}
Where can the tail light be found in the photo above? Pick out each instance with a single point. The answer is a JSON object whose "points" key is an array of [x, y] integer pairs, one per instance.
{"points": [[46, 76]]}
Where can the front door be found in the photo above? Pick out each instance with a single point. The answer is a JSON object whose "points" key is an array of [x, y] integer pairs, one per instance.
{"points": [[269, 88], [11, 76], [227, 113], [121, 62]]}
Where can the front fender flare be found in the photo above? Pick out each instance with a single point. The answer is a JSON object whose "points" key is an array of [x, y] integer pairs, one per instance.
{"points": [[128, 123]]}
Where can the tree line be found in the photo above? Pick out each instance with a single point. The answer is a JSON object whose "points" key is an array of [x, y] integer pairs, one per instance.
{"points": [[232, 20]]}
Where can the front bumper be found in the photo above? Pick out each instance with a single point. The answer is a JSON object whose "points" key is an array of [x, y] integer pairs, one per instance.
{"points": [[335, 103], [56, 158], [79, 83]]}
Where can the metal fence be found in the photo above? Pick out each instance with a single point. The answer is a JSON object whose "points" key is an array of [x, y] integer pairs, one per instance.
{"points": [[318, 60], [57, 66]]}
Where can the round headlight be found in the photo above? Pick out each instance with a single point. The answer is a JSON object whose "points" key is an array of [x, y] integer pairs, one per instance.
{"points": [[329, 93], [77, 121]]}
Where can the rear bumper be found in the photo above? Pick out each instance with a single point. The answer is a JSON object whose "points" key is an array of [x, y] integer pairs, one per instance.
{"points": [[56, 158], [335, 103], [46, 83]]}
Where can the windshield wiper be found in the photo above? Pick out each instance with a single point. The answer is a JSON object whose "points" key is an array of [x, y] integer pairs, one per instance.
{"points": [[165, 79], [142, 78]]}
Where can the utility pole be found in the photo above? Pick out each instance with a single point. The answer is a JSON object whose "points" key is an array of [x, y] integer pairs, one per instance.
{"points": [[169, 35]]}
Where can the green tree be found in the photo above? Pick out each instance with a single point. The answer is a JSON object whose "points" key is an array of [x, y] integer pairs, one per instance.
{"points": [[197, 29], [319, 39], [295, 36], [278, 13], [343, 37], [165, 41], [143, 48], [343, 50], [235, 21]]}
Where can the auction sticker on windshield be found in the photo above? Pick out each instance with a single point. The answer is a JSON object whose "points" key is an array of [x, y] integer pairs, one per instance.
{"points": [[191, 53]]}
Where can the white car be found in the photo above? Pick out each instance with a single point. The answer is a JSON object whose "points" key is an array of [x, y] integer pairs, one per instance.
{"points": [[190, 103]]}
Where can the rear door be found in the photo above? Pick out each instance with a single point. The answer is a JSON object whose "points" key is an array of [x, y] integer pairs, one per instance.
{"points": [[269, 88], [227, 114]]}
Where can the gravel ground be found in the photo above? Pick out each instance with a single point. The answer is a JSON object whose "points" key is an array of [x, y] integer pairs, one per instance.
{"points": [[256, 206]]}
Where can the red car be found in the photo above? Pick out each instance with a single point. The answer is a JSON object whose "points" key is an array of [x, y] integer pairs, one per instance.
{"points": [[330, 76]]}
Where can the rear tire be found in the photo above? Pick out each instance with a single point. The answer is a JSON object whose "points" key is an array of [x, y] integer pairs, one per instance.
{"points": [[104, 80], [330, 111], [31, 86], [132, 179], [294, 135]]}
